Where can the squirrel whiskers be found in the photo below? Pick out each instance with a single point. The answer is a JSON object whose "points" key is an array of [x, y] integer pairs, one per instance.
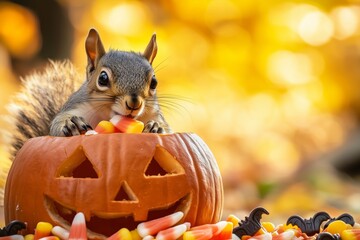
{"points": [[172, 103]]}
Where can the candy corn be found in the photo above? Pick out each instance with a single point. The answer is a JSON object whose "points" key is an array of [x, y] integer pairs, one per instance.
{"points": [[350, 234], [105, 127], [127, 125], [165, 228], [234, 237], [232, 218], [337, 226], [204, 234], [188, 225], [268, 226], [154, 226], [43, 229], [29, 237], [122, 234], [265, 236], [172, 233], [90, 132], [215, 228], [148, 237], [62, 233], [50, 238], [78, 228], [13, 237], [287, 235], [135, 235], [226, 232]]}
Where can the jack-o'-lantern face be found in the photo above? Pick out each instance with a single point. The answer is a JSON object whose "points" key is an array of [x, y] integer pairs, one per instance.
{"points": [[116, 180], [121, 192]]}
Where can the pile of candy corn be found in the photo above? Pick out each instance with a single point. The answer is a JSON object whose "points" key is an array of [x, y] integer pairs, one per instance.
{"points": [[165, 228], [118, 124], [320, 227], [169, 228], [337, 230]]}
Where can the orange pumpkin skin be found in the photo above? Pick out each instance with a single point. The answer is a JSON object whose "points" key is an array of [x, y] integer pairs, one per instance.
{"points": [[116, 180]]}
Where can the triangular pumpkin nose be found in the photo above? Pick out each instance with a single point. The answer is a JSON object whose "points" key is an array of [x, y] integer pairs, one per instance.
{"points": [[125, 193]]}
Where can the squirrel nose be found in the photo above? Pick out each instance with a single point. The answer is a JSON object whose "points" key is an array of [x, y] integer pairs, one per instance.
{"points": [[133, 103]]}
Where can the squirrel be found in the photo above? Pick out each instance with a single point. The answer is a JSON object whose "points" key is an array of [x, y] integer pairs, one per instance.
{"points": [[117, 83]]}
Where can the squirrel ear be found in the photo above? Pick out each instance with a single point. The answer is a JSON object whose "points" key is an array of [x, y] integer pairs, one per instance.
{"points": [[94, 48], [151, 49]]}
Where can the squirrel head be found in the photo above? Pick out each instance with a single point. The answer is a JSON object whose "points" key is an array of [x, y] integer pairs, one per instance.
{"points": [[123, 81]]}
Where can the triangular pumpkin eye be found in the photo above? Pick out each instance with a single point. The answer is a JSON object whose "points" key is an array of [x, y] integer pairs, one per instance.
{"points": [[77, 166], [154, 169], [163, 163], [125, 193]]}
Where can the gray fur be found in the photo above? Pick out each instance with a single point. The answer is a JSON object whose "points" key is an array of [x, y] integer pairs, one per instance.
{"points": [[130, 75], [41, 98], [122, 65], [50, 100]]}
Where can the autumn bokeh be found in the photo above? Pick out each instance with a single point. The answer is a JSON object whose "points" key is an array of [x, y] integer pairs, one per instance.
{"points": [[271, 86]]}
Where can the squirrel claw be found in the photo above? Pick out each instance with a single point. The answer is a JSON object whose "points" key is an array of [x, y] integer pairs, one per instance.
{"points": [[75, 126], [153, 127]]}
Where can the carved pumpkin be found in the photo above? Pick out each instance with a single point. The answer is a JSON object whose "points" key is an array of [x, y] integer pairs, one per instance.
{"points": [[116, 180]]}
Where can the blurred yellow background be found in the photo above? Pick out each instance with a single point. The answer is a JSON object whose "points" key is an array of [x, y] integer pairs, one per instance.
{"points": [[271, 86]]}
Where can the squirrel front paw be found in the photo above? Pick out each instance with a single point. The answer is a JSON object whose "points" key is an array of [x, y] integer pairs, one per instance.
{"points": [[70, 126], [153, 127], [75, 126]]}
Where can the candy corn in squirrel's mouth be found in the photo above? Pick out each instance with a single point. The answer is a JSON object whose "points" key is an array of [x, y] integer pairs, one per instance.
{"points": [[127, 125], [120, 124]]}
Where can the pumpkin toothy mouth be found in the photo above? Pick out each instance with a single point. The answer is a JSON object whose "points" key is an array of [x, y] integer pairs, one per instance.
{"points": [[107, 226]]}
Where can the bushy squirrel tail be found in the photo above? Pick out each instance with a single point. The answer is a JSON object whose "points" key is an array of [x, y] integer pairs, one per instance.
{"points": [[40, 99]]}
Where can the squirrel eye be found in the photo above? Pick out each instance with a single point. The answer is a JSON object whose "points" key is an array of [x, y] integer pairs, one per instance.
{"points": [[103, 81], [153, 83]]}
